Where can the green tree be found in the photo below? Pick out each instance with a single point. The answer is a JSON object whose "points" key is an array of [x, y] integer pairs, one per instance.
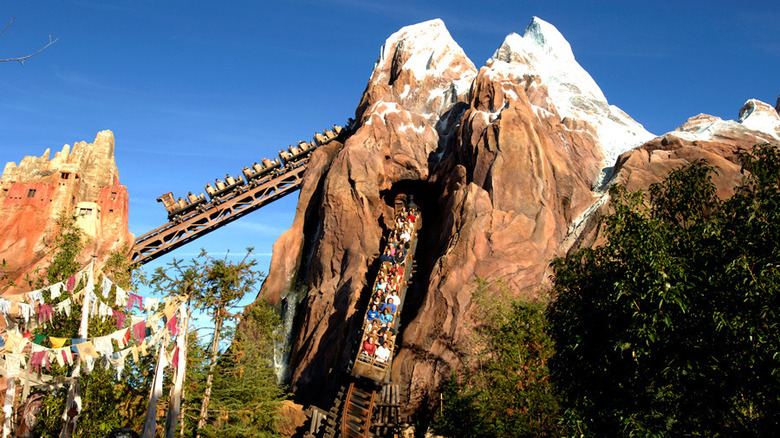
{"points": [[246, 394], [503, 389], [107, 403], [670, 328], [216, 286]]}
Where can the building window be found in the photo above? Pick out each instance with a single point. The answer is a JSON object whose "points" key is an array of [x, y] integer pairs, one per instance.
{"points": [[31, 193]]}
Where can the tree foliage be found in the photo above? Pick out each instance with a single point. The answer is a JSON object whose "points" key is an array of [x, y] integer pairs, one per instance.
{"points": [[235, 389], [671, 327], [246, 394], [107, 403], [503, 389]]}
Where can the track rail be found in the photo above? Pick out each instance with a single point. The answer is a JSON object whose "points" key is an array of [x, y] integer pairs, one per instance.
{"points": [[243, 201], [237, 202], [358, 408]]}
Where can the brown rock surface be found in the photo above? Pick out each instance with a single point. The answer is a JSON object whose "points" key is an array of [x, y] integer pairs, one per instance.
{"points": [[702, 137], [293, 418], [499, 175], [503, 167], [37, 190], [391, 142]]}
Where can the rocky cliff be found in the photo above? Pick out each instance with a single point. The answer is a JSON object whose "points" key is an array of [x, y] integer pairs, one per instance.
{"points": [[83, 181], [508, 162]]}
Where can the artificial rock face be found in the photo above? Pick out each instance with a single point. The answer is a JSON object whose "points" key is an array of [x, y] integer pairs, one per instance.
{"points": [[83, 181], [508, 163]]}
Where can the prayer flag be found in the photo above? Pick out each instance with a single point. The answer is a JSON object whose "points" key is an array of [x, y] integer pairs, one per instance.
{"points": [[120, 318], [173, 325], [139, 330], [57, 342], [86, 350]]}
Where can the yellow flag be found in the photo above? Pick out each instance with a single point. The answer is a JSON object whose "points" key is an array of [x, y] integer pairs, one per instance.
{"points": [[57, 342]]}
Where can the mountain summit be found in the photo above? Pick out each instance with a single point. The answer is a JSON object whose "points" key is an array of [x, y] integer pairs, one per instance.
{"points": [[543, 51], [503, 162]]}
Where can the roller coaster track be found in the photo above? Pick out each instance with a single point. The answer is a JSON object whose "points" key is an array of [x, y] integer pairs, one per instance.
{"points": [[243, 200]]}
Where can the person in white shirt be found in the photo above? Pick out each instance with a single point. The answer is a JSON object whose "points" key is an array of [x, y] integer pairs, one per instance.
{"points": [[382, 353], [392, 295]]}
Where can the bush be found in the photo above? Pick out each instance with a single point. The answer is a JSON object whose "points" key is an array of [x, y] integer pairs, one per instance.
{"points": [[670, 328], [503, 390]]}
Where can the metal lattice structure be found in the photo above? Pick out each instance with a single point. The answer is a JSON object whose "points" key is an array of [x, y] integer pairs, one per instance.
{"points": [[240, 201]]}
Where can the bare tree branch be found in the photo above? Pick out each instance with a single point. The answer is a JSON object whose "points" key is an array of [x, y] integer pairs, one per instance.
{"points": [[21, 60], [8, 25]]}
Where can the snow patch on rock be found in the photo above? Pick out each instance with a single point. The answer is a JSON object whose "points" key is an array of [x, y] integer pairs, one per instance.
{"points": [[760, 116], [543, 51], [431, 49], [755, 116]]}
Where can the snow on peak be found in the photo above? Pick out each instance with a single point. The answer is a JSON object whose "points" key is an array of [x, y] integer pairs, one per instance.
{"points": [[428, 49], [757, 120], [548, 39], [543, 51], [760, 116]]}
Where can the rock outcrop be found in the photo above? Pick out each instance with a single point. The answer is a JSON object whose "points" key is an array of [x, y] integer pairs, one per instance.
{"points": [[509, 164], [502, 161], [702, 137], [83, 181]]}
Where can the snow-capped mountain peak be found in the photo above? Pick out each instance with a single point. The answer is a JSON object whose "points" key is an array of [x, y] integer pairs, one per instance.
{"points": [[543, 51]]}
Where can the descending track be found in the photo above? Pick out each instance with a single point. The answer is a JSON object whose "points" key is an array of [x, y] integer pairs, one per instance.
{"points": [[370, 405], [238, 200]]}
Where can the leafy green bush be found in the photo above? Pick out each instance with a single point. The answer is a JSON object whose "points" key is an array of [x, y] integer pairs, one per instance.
{"points": [[671, 327], [503, 389]]}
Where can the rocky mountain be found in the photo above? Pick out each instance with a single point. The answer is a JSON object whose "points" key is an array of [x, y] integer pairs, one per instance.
{"points": [[702, 137], [509, 163], [82, 180]]}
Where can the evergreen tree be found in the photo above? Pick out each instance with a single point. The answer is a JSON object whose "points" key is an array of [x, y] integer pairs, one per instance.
{"points": [[246, 394], [248, 408]]}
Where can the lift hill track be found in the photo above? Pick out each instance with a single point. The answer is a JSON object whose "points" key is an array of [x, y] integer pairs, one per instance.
{"points": [[229, 200]]}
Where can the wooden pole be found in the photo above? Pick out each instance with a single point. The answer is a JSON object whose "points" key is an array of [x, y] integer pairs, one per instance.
{"points": [[8, 405], [73, 405], [181, 344], [204, 407], [150, 422]]}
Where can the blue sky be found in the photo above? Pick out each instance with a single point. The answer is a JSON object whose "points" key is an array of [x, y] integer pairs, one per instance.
{"points": [[195, 89]]}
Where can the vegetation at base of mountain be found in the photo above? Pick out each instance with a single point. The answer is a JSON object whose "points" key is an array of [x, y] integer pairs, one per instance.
{"points": [[670, 328], [503, 388], [107, 402], [246, 394], [235, 388]]}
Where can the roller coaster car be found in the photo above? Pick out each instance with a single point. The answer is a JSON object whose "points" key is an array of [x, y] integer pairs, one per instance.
{"points": [[320, 139], [258, 171], [293, 154], [223, 188], [369, 366], [177, 209]]}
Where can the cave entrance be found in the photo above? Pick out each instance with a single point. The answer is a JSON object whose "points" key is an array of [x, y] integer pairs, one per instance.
{"points": [[419, 191]]}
